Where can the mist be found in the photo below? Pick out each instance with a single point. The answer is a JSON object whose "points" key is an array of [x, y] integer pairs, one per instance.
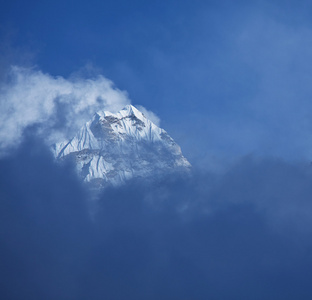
{"points": [[240, 235]]}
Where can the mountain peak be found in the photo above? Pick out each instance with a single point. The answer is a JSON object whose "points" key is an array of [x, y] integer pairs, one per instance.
{"points": [[131, 109], [114, 147], [128, 111]]}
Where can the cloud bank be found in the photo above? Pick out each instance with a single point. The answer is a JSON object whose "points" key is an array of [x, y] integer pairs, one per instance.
{"points": [[243, 235]]}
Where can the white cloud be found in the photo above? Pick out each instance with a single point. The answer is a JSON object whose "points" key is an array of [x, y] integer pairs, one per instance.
{"points": [[149, 114], [58, 106]]}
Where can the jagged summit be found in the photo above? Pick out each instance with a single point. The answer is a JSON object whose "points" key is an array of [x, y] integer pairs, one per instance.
{"points": [[114, 147]]}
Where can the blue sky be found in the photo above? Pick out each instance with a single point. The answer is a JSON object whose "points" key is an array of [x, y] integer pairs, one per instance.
{"points": [[229, 80], [226, 78]]}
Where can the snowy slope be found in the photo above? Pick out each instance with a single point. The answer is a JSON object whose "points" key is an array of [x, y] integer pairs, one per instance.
{"points": [[111, 148]]}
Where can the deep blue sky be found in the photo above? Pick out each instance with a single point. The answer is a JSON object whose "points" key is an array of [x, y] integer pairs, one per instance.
{"points": [[226, 78]]}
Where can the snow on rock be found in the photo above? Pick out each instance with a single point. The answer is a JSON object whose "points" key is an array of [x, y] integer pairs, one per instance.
{"points": [[112, 148]]}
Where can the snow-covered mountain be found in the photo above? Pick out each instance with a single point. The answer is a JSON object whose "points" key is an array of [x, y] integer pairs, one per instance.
{"points": [[111, 148]]}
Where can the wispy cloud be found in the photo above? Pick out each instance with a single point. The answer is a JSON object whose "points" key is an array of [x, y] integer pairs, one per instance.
{"points": [[57, 106], [149, 115]]}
